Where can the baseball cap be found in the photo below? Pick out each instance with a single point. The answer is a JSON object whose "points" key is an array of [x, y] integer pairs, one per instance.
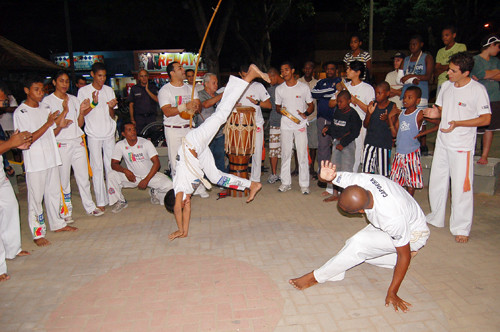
{"points": [[491, 40], [399, 55]]}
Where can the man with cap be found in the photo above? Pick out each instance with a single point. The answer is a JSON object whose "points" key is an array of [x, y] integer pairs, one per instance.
{"points": [[397, 230], [394, 79]]}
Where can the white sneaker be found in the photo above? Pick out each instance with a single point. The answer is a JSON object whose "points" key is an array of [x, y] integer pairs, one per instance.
{"points": [[154, 199], [69, 220], [96, 213], [273, 178], [305, 190], [119, 206], [284, 187]]}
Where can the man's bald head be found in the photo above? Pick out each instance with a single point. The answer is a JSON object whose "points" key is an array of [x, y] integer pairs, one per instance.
{"points": [[354, 199]]}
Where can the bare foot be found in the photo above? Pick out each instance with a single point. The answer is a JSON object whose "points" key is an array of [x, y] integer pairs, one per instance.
{"points": [[414, 253], [102, 208], [254, 189], [67, 229], [483, 161], [461, 238], [175, 235], [331, 198], [23, 253], [42, 242], [325, 194], [254, 72], [306, 281], [4, 277]]}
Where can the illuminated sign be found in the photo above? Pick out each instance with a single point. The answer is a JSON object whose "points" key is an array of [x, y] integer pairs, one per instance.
{"points": [[158, 61], [82, 62]]}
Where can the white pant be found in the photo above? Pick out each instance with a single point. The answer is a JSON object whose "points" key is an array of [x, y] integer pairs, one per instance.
{"points": [[101, 151], [448, 164], [174, 137], [370, 245], [117, 180], [257, 155], [199, 139], [287, 139], [44, 185], [73, 154], [10, 230], [360, 143]]}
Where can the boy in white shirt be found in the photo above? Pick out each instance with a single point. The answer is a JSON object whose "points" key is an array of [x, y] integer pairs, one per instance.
{"points": [[142, 169], [361, 95], [463, 105], [257, 97], [41, 161], [294, 97], [100, 128]]}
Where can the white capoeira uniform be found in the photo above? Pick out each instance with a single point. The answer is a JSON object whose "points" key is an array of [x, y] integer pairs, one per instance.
{"points": [[396, 219], [176, 128], [453, 151], [10, 230], [138, 161], [190, 169], [294, 99], [100, 129], [41, 163], [256, 91], [73, 154], [365, 93]]}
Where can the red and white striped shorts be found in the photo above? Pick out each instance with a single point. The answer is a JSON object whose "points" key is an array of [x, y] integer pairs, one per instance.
{"points": [[407, 170]]}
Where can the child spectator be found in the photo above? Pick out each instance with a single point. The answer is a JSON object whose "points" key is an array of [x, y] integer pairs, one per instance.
{"points": [[41, 161], [448, 36], [394, 79], [378, 140], [344, 129], [406, 167], [358, 54]]}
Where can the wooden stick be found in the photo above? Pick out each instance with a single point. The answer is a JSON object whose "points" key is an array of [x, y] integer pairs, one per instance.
{"points": [[198, 58]]}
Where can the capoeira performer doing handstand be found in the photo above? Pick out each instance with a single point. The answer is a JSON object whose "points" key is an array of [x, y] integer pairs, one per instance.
{"points": [[397, 230], [10, 230], [194, 158]]}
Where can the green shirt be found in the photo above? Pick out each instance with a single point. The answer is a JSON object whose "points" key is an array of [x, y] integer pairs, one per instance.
{"points": [[443, 57], [479, 70]]}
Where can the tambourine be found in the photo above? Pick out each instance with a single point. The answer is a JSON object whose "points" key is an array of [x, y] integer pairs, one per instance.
{"points": [[290, 116]]}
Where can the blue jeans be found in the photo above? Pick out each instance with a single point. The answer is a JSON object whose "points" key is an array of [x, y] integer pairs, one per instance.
{"points": [[217, 148]]}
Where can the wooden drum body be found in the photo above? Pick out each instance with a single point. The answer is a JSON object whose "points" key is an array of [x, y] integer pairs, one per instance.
{"points": [[239, 144]]}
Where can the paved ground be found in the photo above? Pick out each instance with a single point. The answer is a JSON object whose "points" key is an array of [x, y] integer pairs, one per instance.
{"points": [[120, 272]]}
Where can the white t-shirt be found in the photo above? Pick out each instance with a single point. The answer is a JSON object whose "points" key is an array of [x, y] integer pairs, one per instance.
{"points": [[461, 103], [55, 104], [256, 91], [98, 123], [137, 157], [311, 84], [394, 210], [294, 99], [7, 119], [175, 96], [364, 92], [43, 153], [393, 79]]}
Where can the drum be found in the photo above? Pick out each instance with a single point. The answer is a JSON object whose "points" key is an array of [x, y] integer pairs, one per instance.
{"points": [[240, 143]]}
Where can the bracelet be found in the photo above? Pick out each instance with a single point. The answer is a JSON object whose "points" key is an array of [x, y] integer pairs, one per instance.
{"points": [[93, 105], [258, 103]]}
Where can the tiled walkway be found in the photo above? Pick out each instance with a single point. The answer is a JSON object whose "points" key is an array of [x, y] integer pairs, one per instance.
{"points": [[120, 272]]}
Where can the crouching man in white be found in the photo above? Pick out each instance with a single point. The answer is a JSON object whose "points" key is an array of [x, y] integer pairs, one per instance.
{"points": [[397, 230], [142, 169]]}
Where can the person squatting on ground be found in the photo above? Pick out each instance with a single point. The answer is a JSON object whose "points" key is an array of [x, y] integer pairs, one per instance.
{"points": [[274, 126], [344, 130], [405, 126], [462, 105], [195, 159], [42, 160], [71, 146], [143, 164], [378, 140], [10, 230], [295, 98], [396, 232], [100, 128]]}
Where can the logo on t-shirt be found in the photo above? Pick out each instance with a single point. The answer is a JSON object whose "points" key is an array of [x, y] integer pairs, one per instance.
{"points": [[462, 104], [404, 126], [379, 187], [135, 156]]}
